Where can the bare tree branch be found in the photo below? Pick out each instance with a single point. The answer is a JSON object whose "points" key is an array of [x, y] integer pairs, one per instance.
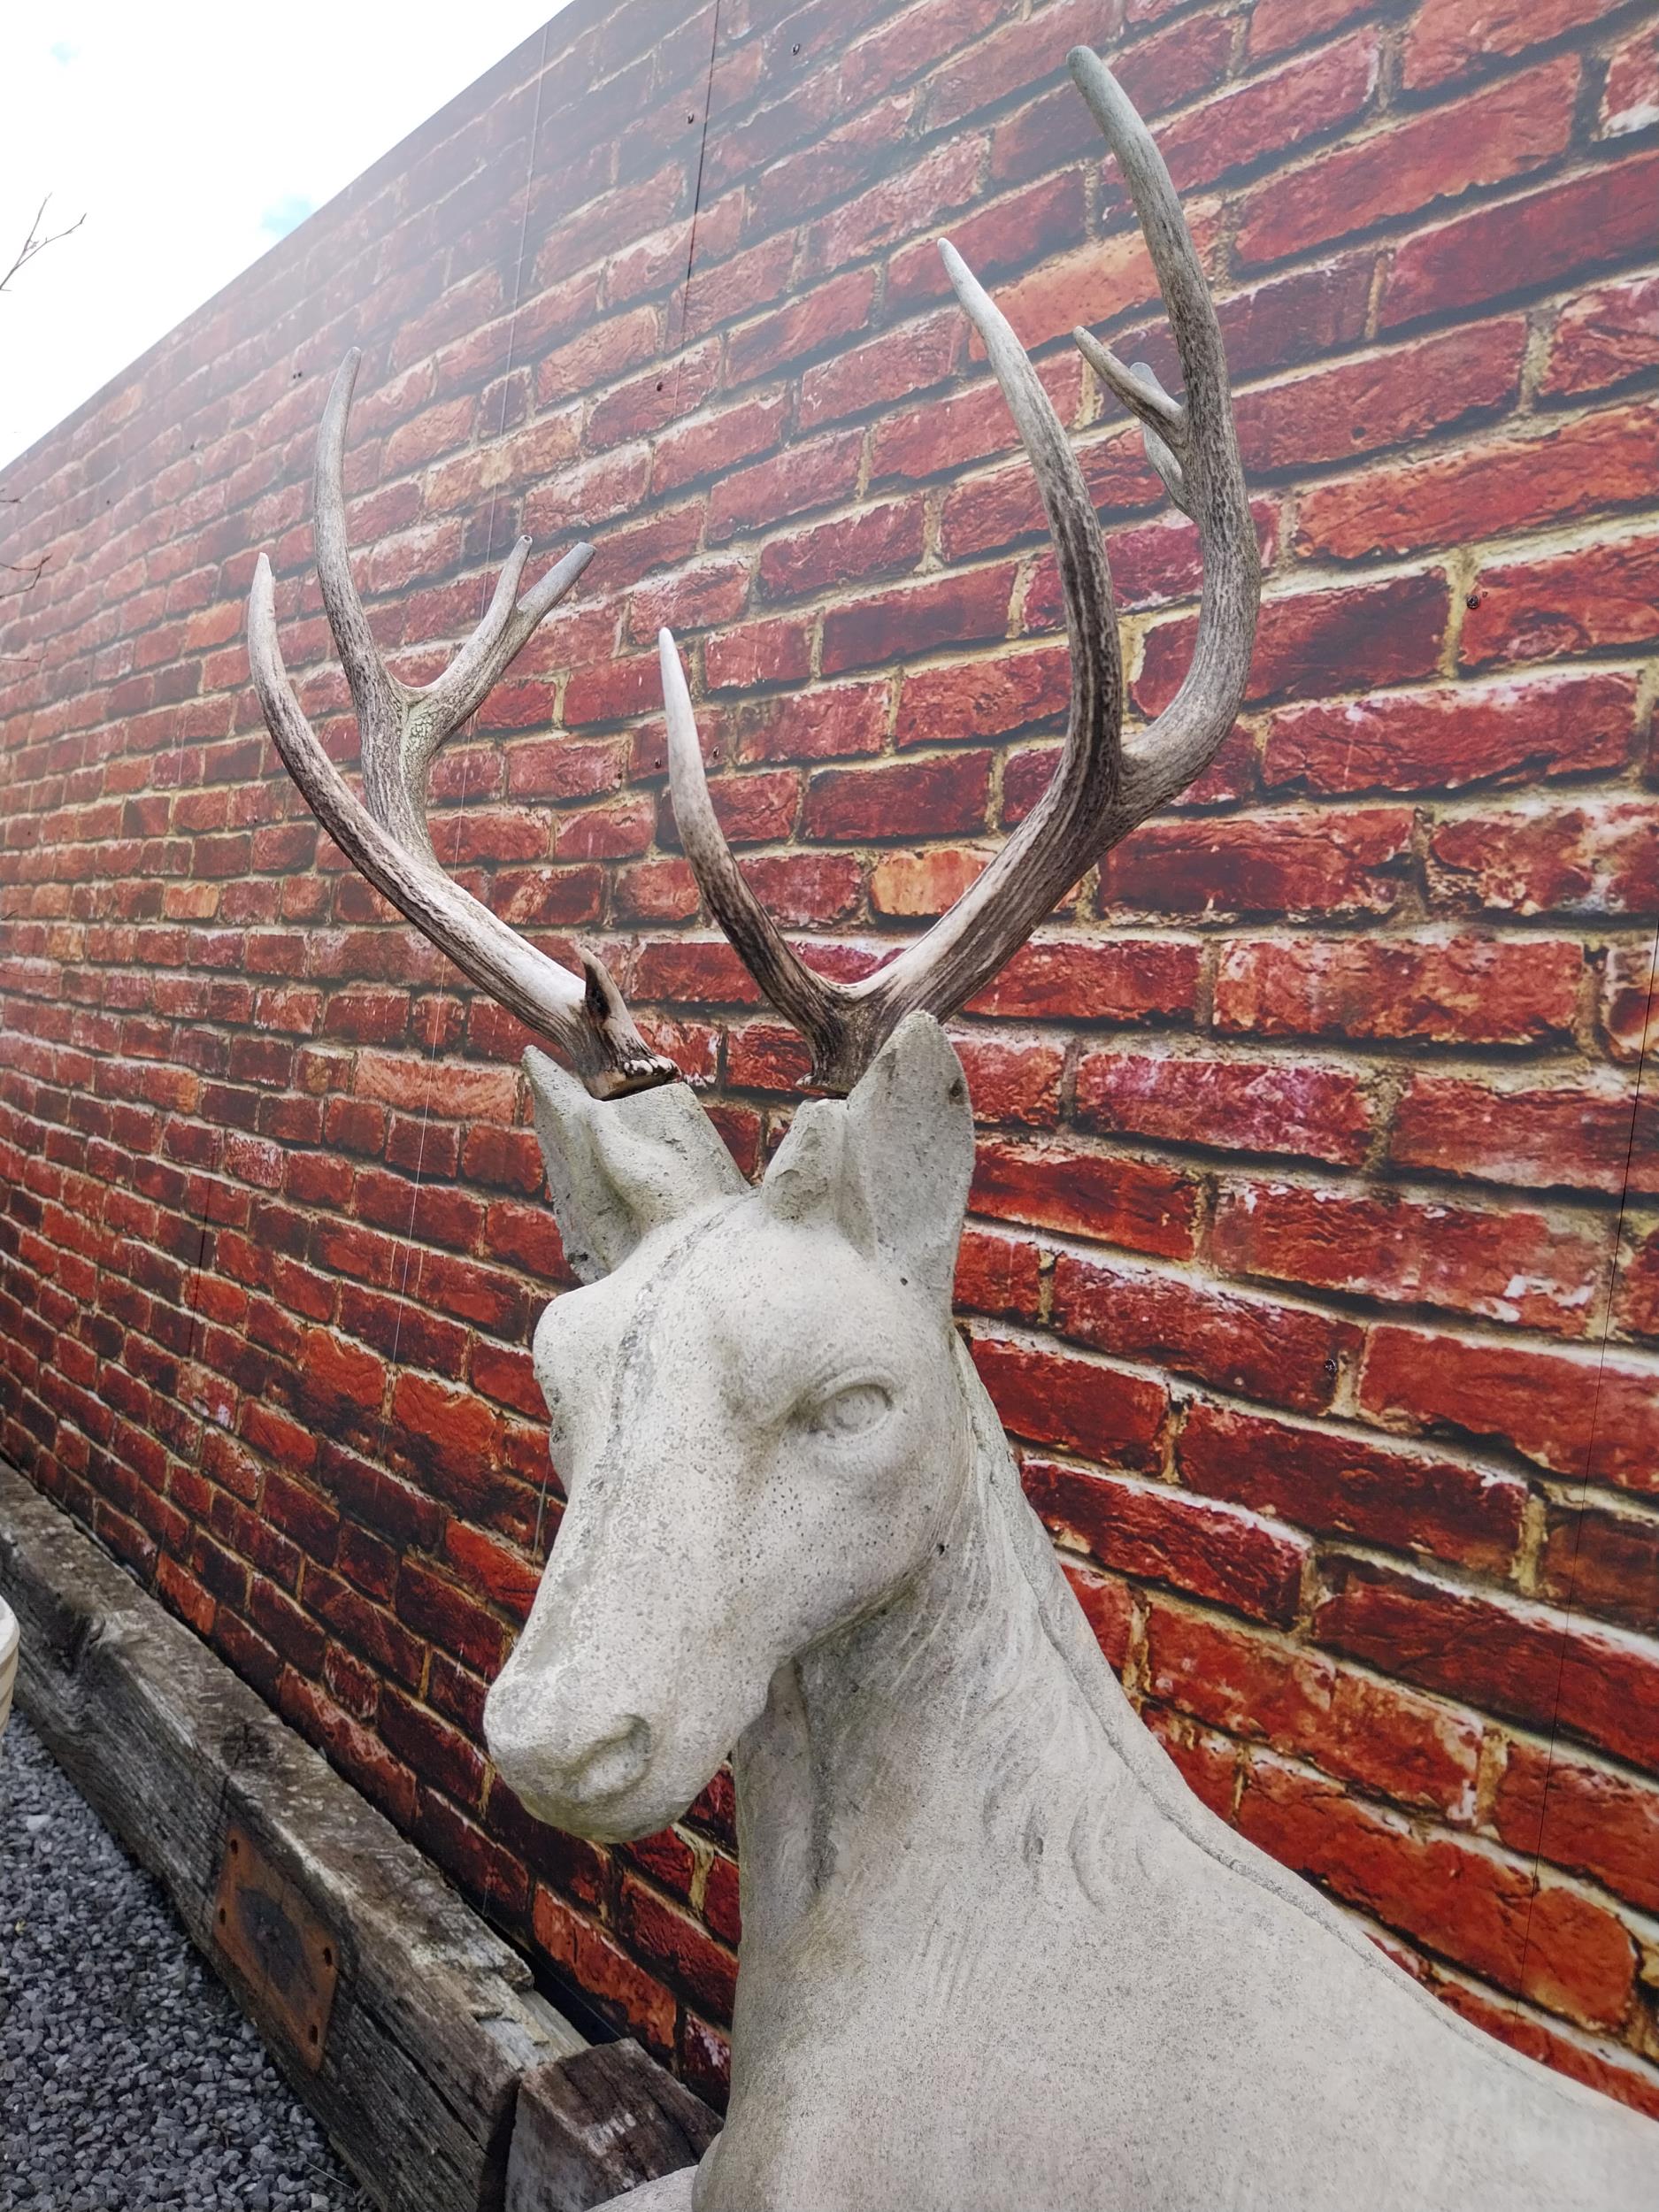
{"points": [[37, 241]]}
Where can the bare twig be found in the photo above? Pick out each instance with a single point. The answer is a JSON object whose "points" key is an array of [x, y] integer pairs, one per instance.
{"points": [[37, 242]]}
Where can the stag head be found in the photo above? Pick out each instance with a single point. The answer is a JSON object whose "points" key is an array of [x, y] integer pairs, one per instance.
{"points": [[756, 1402]]}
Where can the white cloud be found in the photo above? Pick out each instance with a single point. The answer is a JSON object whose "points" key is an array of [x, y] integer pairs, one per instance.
{"points": [[193, 134]]}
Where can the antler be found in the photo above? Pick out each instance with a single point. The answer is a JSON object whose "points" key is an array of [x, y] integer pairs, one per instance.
{"points": [[1104, 785], [402, 727]]}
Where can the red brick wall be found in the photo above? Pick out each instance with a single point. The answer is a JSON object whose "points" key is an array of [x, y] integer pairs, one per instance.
{"points": [[1315, 1244]]}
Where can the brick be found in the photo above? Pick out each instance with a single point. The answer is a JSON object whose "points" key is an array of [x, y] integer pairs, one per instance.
{"points": [[1076, 979], [1462, 990], [1445, 41], [1278, 24], [1512, 1266], [878, 541], [1271, 116], [1353, 638], [1238, 1104], [819, 473], [1630, 98], [1561, 230], [601, 1969], [1604, 1560], [894, 366], [1013, 1082], [981, 699], [1594, 1134], [1542, 1939], [1259, 1347], [1599, 595], [448, 1615], [1578, 1815], [682, 1951], [1636, 1284], [1413, 1749], [804, 326], [899, 798], [1343, 1486], [826, 723], [1578, 1415], [773, 652], [1392, 398], [1053, 1397], [1543, 856], [710, 444], [923, 883], [1161, 1534], [1291, 862], [1602, 337], [1512, 483], [1483, 140], [954, 610], [1451, 736], [1138, 1204], [1501, 1653], [998, 1276]]}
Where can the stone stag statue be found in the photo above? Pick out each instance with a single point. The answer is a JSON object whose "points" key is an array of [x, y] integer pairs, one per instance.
{"points": [[995, 1955]]}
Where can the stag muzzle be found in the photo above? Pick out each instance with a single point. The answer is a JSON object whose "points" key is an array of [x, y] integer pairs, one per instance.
{"points": [[573, 1765]]}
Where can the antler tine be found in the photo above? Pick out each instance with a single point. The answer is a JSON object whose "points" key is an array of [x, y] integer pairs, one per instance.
{"points": [[811, 1002], [385, 834], [846, 1024], [1103, 786], [1197, 457]]}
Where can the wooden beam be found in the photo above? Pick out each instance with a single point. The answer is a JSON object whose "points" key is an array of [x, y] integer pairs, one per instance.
{"points": [[433, 2019]]}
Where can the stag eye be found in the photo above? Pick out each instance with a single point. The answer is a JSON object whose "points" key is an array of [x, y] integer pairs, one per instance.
{"points": [[849, 1412]]}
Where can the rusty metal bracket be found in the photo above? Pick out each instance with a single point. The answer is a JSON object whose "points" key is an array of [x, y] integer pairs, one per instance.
{"points": [[286, 1958]]}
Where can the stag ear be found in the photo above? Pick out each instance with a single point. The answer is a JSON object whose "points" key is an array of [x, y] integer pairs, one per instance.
{"points": [[907, 1155], [618, 1168]]}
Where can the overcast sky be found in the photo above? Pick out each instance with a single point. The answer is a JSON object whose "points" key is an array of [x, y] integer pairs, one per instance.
{"points": [[192, 135]]}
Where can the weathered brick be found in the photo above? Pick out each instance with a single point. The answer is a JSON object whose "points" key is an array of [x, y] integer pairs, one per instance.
{"points": [[1543, 1940], [1512, 1266], [1397, 1743], [1052, 1397], [1352, 638], [1483, 140], [1236, 1103], [1603, 336], [1600, 594], [1138, 1204], [899, 798], [1497, 1651], [1578, 1815], [1441, 738], [1462, 990], [1161, 1534], [1543, 856], [1577, 1414], [1511, 483], [1595, 1134], [1564, 226], [1342, 1486], [1294, 863], [1259, 1347]]}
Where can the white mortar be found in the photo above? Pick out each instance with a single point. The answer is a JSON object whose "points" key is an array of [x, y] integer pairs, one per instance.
{"points": [[8, 1661]]}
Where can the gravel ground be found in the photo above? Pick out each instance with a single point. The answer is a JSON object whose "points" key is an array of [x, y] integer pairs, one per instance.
{"points": [[129, 2082]]}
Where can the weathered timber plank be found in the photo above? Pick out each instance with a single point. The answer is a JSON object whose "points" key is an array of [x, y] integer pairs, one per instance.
{"points": [[435, 2018], [593, 2126]]}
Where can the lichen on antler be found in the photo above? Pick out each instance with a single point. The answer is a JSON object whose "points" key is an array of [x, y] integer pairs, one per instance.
{"points": [[402, 727], [1104, 784]]}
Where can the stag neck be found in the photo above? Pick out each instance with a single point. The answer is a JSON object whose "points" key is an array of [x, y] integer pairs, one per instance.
{"points": [[927, 1737]]}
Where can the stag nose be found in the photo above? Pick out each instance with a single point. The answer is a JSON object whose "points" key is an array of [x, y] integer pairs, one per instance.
{"points": [[555, 1756]]}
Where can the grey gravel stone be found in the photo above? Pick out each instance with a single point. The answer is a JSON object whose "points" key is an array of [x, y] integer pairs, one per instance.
{"points": [[128, 2079]]}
